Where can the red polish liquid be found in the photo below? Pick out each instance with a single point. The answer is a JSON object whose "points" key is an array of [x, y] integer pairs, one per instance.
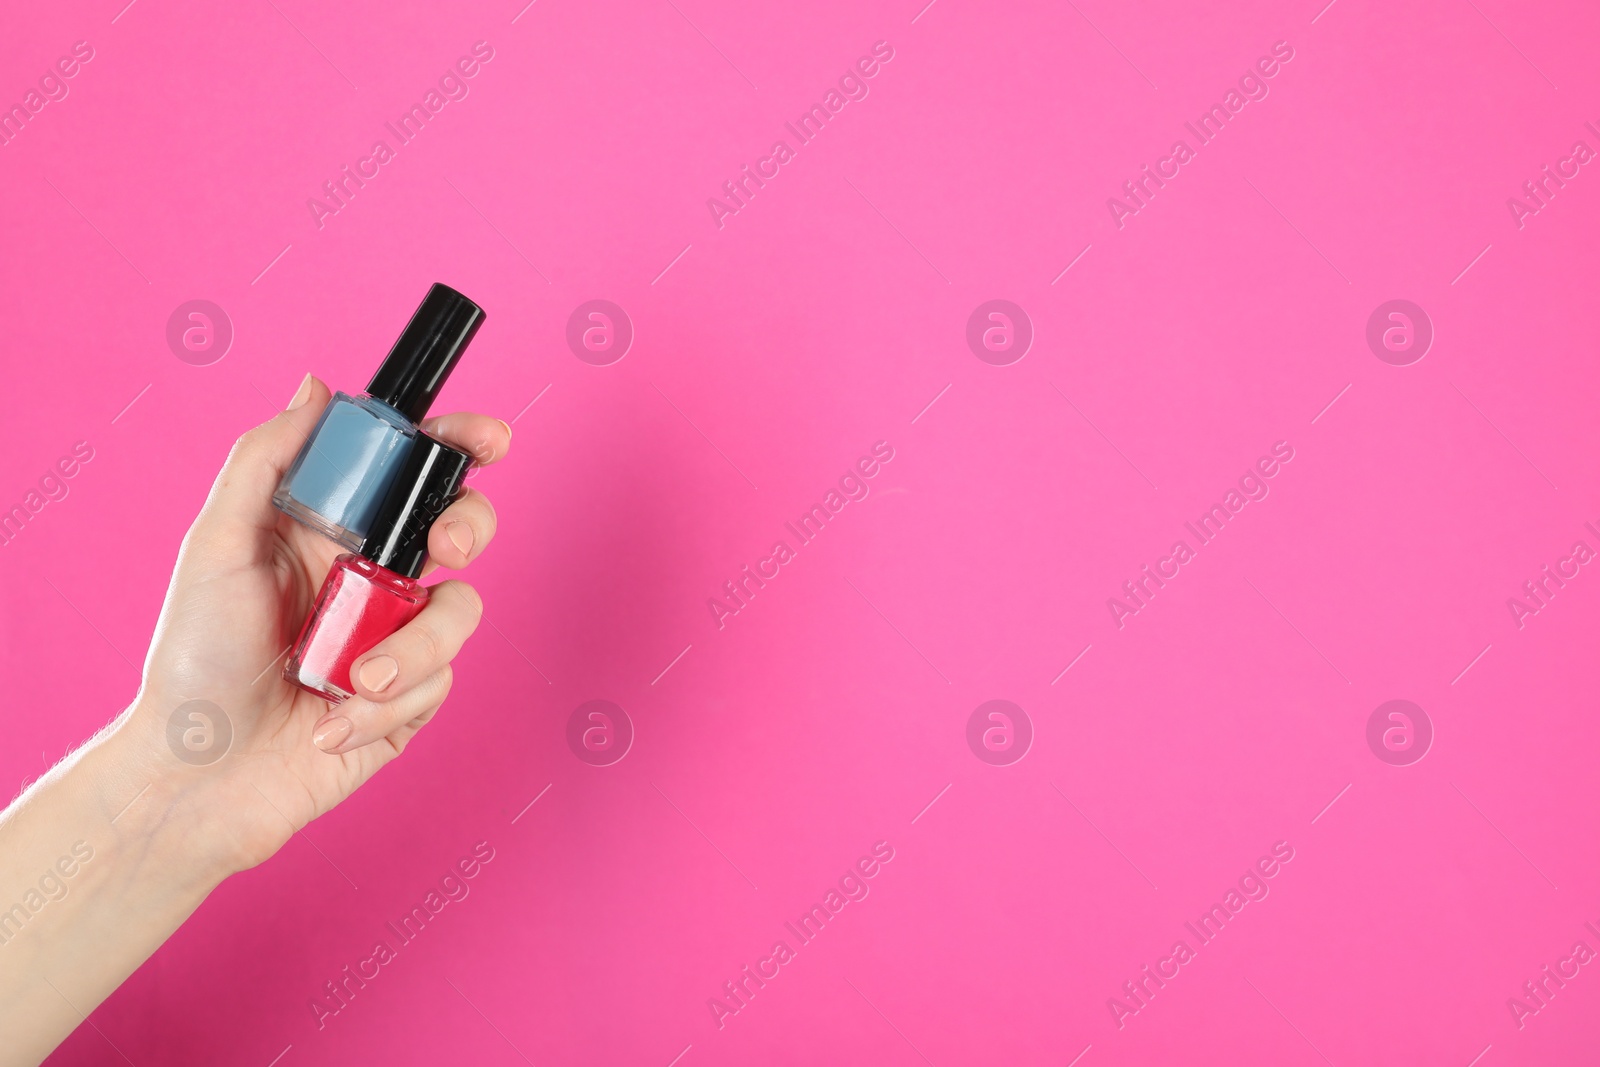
{"points": [[360, 604]]}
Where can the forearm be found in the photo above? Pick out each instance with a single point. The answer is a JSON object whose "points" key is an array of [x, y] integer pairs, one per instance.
{"points": [[98, 866]]}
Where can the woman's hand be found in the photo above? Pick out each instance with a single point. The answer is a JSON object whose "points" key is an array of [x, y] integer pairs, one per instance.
{"points": [[245, 580], [218, 760]]}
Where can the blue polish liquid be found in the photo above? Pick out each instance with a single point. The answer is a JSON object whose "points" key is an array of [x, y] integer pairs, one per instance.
{"points": [[345, 467]]}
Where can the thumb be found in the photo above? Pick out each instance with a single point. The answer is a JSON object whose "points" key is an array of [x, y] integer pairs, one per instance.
{"points": [[240, 504]]}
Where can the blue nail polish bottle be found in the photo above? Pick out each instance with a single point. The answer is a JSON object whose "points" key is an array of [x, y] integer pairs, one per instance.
{"points": [[351, 458]]}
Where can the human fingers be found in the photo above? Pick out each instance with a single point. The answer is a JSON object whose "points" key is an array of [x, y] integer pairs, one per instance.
{"points": [[485, 439], [460, 535], [403, 660], [241, 497], [359, 722]]}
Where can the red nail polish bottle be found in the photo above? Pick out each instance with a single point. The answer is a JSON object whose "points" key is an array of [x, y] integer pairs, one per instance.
{"points": [[370, 594]]}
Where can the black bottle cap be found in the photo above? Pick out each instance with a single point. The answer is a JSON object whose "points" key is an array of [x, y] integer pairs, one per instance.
{"points": [[426, 352], [428, 482]]}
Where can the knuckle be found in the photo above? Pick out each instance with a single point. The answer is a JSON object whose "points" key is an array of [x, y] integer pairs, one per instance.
{"points": [[426, 644], [249, 448], [243, 446], [476, 512], [257, 436], [471, 599]]}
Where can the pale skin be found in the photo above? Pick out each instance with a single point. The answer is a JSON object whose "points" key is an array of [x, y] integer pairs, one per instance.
{"points": [[161, 833]]}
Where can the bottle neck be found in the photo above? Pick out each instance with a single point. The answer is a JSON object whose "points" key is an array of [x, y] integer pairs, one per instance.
{"points": [[387, 410]]}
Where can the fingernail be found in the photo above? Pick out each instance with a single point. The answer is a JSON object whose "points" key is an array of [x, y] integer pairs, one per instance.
{"points": [[460, 535], [378, 672], [302, 394], [331, 734], [507, 425]]}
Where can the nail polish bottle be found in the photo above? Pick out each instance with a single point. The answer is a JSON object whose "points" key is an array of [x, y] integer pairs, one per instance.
{"points": [[371, 593], [350, 460]]}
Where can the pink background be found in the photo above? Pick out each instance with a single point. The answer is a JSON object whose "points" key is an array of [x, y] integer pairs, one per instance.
{"points": [[823, 317]]}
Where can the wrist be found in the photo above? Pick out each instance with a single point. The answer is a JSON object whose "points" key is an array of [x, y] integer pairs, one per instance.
{"points": [[161, 806]]}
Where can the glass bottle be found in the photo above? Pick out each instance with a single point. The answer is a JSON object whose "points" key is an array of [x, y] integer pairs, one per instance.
{"points": [[349, 462], [372, 593]]}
